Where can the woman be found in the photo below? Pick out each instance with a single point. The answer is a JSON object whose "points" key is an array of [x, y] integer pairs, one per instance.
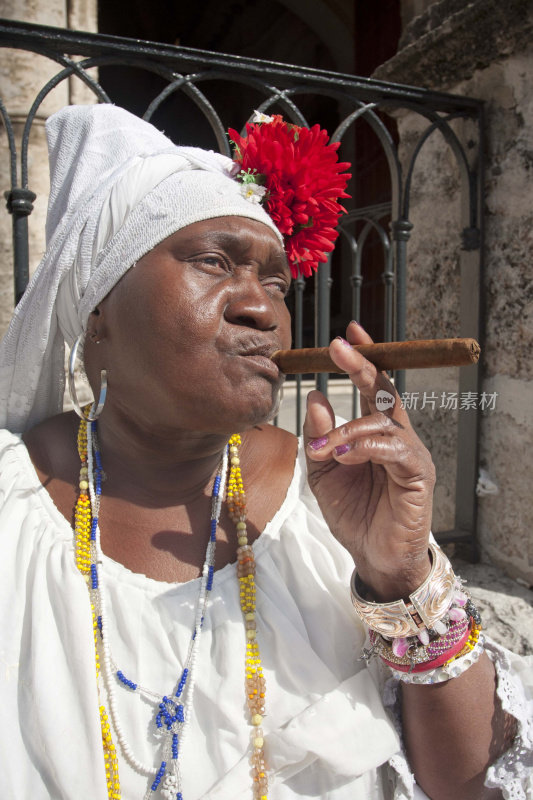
{"points": [[173, 281]]}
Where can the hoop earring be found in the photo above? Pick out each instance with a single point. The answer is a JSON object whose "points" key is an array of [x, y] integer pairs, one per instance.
{"points": [[94, 413]]}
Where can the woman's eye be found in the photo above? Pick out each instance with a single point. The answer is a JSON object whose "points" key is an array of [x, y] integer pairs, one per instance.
{"points": [[209, 262], [277, 284]]}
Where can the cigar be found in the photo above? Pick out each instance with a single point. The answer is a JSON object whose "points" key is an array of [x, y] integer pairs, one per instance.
{"points": [[418, 354]]}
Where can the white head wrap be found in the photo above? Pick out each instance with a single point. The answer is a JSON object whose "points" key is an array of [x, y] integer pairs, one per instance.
{"points": [[118, 187]]}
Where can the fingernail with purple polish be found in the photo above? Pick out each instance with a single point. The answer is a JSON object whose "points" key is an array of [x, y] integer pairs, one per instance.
{"points": [[344, 342], [358, 324], [318, 444], [342, 449]]}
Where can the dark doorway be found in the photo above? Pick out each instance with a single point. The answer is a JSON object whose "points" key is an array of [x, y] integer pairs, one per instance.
{"points": [[272, 31]]}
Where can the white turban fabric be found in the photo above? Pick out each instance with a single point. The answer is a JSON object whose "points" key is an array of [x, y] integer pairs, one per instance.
{"points": [[118, 187]]}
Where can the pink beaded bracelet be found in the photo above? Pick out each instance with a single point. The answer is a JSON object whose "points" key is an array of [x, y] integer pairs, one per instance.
{"points": [[434, 663]]}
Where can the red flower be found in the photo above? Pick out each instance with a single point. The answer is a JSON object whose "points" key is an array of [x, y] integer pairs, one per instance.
{"points": [[302, 175]]}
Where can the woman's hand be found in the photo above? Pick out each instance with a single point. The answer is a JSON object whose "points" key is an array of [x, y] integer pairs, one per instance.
{"points": [[373, 478]]}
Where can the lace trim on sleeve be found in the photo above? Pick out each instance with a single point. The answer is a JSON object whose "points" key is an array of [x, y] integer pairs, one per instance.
{"points": [[513, 772]]}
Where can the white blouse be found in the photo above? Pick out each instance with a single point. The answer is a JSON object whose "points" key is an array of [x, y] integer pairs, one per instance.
{"points": [[327, 733]]}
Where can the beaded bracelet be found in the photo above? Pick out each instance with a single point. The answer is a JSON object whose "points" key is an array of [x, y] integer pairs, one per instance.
{"points": [[461, 647], [453, 668], [419, 656]]}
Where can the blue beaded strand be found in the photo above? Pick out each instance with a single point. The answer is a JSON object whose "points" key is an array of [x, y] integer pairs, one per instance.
{"points": [[122, 678], [170, 713], [94, 577], [183, 681], [211, 572], [159, 775]]}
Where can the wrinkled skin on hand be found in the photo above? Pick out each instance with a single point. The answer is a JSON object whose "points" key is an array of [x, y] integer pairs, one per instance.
{"points": [[373, 478]]}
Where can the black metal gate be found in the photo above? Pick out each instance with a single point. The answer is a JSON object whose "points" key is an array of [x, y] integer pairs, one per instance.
{"points": [[197, 76]]}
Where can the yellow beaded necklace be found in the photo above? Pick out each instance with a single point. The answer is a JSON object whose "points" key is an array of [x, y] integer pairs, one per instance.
{"points": [[254, 679], [255, 682], [84, 558]]}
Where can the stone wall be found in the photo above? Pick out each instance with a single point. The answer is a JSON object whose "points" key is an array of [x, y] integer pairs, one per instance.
{"points": [[484, 50], [433, 285], [22, 75]]}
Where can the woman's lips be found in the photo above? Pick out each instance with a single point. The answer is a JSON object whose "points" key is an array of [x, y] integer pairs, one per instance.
{"points": [[258, 358], [262, 363]]}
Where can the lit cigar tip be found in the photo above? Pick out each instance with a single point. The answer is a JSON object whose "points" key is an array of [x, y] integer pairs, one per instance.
{"points": [[475, 350]]}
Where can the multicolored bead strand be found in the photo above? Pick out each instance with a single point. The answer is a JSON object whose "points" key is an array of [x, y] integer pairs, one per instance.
{"points": [[470, 643], [82, 511], [254, 679], [97, 589], [173, 711], [84, 547]]}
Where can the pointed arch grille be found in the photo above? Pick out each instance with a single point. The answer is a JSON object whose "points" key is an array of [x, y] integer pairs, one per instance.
{"points": [[284, 89]]}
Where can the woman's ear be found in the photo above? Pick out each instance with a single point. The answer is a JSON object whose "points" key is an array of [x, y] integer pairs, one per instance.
{"points": [[95, 358], [95, 326]]}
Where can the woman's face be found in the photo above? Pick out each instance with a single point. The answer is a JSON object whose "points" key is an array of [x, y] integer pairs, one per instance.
{"points": [[187, 333]]}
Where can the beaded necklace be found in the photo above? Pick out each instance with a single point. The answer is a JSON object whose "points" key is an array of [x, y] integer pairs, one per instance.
{"points": [[254, 680], [174, 712]]}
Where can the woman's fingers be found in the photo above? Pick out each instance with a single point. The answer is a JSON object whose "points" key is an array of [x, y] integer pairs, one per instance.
{"points": [[378, 438], [395, 454], [338, 440], [377, 392], [375, 438], [318, 424], [383, 436], [362, 372], [319, 420], [357, 335]]}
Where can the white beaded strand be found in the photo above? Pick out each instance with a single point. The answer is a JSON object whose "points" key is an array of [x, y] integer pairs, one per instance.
{"points": [[171, 786], [107, 669]]}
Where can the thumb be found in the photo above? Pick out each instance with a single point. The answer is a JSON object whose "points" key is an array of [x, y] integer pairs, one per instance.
{"points": [[319, 419]]}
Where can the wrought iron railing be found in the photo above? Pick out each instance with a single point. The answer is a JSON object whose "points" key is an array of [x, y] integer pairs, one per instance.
{"points": [[195, 74]]}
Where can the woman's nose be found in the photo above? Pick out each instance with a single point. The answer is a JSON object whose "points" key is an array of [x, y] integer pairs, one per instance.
{"points": [[251, 305]]}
